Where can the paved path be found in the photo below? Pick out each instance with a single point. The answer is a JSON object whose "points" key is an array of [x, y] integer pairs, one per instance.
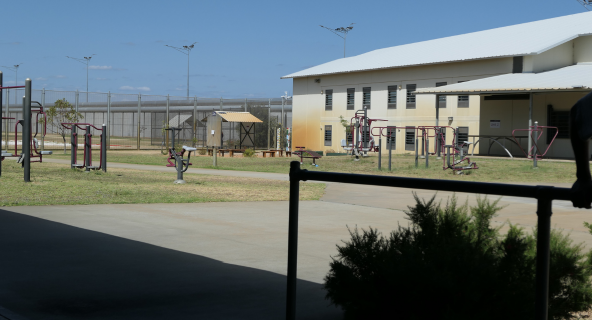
{"points": [[206, 260]]}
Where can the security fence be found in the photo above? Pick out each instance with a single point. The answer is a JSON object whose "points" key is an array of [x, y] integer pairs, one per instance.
{"points": [[137, 121]]}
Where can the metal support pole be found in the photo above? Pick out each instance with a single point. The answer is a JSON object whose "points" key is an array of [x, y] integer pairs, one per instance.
{"points": [[73, 147], [423, 143], [439, 136], [76, 101], [529, 123], [103, 148], [139, 118], [437, 110], [390, 149], [108, 133], [26, 136], [292, 240], [379, 153], [87, 149], [1, 123], [427, 156], [166, 122], [535, 151], [195, 123], [215, 156], [7, 116], [544, 202], [268, 124], [416, 151], [44, 118]]}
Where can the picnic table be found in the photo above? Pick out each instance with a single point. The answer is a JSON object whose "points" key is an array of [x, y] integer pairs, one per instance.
{"points": [[303, 153], [230, 151]]}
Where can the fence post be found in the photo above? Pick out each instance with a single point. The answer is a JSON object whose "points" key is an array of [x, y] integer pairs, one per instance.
{"points": [[26, 135], [293, 239], [76, 101], [103, 150], [544, 212], [44, 118], [268, 124], [194, 123], [139, 117], [108, 133], [535, 151]]}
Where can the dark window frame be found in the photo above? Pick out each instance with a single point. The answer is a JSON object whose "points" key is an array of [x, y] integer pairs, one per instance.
{"points": [[411, 99], [367, 97], [442, 98], [392, 103], [328, 135], [409, 136], [328, 99], [350, 97], [559, 119]]}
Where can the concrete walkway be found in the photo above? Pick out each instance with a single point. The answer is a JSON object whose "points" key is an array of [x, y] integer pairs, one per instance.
{"points": [[199, 261]]}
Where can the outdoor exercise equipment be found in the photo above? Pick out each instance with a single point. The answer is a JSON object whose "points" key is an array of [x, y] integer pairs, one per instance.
{"points": [[24, 158], [303, 153], [535, 132], [36, 153], [360, 126], [180, 164], [87, 155], [456, 153]]}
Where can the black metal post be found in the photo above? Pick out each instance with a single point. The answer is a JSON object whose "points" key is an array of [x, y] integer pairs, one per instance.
{"points": [[422, 142], [535, 151], [379, 153], [390, 150], [104, 148], [293, 240], [544, 202], [1, 123], [26, 136], [427, 156], [87, 149], [416, 151], [73, 147]]}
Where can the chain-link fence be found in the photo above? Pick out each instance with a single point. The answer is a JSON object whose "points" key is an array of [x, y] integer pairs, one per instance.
{"points": [[137, 121]]}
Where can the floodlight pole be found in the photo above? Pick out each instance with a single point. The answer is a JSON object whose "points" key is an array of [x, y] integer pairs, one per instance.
{"points": [[341, 30], [185, 50], [84, 61], [15, 69]]}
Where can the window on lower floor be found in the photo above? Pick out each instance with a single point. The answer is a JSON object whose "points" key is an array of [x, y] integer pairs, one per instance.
{"points": [[391, 138], [328, 133], [559, 119], [462, 135], [410, 138]]}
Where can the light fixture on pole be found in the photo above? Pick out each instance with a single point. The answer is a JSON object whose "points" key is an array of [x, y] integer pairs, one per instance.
{"points": [[185, 50], [85, 61], [15, 69], [342, 33], [586, 3]]}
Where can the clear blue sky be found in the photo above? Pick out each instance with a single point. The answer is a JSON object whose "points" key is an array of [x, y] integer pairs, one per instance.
{"points": [[243, 48]]}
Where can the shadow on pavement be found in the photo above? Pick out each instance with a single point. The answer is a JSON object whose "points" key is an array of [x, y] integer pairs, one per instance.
{"points": [[55, 271]]}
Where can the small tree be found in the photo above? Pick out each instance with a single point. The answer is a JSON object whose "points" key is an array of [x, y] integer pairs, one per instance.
{"points": [[62, 111]]}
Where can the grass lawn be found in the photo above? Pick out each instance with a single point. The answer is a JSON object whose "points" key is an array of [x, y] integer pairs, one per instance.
{"points": [[53, 184], [492, 170]]}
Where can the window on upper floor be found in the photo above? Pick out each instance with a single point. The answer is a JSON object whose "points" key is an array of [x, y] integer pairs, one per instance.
{"points": [[441, 99], [463, 101], [328, 99], [392, 97], [411, 96], [366, 97], [351, 92]]}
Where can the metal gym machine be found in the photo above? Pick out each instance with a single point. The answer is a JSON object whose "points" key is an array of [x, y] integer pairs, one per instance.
{"points": [[87, 158], [180, 164]]}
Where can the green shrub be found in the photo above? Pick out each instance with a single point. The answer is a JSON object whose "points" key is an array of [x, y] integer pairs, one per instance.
{"points": [[249, 153], [451, 264], [202, 152]]}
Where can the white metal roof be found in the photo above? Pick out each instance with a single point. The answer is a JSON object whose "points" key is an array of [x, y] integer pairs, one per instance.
{"points": [[572, 78], [517, 40]]}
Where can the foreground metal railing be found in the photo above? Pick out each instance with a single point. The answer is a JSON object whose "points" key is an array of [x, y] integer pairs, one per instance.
{"points": [[544, 195]]}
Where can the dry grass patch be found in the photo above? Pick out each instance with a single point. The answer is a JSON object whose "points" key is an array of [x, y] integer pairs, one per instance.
{"points": [[52, 184]]}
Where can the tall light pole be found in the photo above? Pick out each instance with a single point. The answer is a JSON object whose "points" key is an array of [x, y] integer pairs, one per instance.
{"points": [[185, 50], [15, 69], [85, 61], [342, 33]]}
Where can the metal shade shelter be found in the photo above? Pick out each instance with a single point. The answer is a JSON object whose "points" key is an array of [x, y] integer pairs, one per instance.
{"points": [[247, 125]]}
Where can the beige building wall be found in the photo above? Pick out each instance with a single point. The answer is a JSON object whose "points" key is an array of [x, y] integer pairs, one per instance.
{"points": [[310, 116], [583, 50]]}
